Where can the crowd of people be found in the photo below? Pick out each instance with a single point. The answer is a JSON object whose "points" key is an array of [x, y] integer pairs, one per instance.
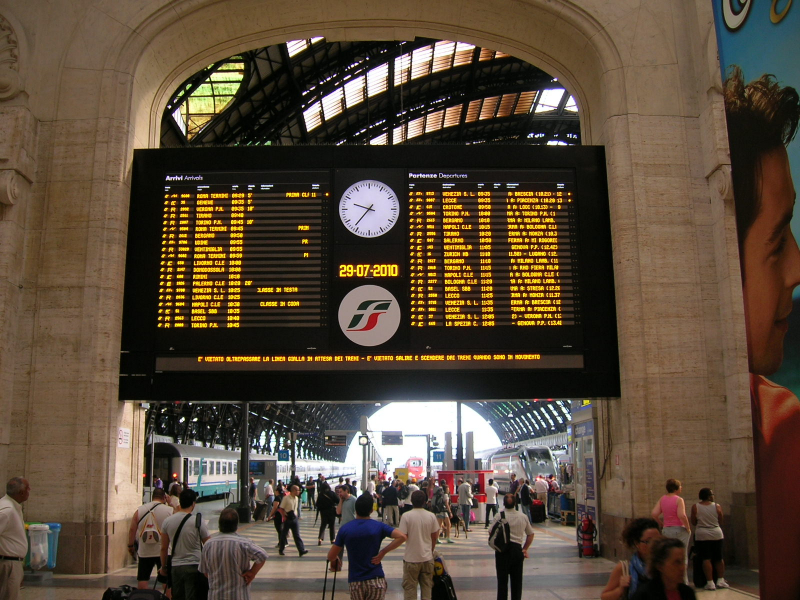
{"points": [[193, 565]]}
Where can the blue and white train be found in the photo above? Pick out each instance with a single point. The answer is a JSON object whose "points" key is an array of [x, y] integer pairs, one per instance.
{"points": [[214, 473]]}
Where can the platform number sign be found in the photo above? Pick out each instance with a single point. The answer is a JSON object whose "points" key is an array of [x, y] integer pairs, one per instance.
{"points": [[283, 456]]}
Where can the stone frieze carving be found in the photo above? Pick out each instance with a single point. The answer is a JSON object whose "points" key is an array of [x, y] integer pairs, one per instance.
{"points": [[10, 84]]}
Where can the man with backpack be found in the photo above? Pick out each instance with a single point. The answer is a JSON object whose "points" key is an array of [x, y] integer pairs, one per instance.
{"points": [[509, 562], [186, 533], [144, 535]]}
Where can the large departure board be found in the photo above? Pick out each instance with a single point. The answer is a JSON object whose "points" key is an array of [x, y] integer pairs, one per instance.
{"points": [[369, 274]]}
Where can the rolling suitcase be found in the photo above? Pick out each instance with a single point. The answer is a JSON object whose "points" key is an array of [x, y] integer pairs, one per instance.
{"points": [[443, 588], [325, 584], [261, 511], [538, 514]]}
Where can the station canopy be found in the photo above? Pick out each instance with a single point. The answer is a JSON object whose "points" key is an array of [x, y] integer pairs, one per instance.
{"points": [[312, 91], [317, 92]]}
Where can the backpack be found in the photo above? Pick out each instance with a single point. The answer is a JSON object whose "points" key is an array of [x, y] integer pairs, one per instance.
{"points": [[150, 532], [437, 504], [500, 534], [402, 493]]}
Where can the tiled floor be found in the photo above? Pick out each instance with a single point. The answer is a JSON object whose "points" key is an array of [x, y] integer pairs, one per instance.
{"points": [[554, 570]]}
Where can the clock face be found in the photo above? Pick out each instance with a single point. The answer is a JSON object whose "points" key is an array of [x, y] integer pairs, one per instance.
{"points": [[369, 208]]}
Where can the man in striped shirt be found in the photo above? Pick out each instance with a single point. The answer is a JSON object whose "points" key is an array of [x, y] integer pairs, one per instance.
{"points": [[226, 560]]}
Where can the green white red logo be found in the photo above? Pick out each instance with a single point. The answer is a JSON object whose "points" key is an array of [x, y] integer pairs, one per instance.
{"points": [[369, 315]]}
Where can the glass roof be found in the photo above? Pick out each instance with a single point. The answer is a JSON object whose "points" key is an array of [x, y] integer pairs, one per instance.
{"points": [[422, 62], [210, 98]]}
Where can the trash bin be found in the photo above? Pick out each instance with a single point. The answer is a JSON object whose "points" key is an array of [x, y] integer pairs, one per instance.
{"points": [[52, 544], [37, 536], [27, 561]]}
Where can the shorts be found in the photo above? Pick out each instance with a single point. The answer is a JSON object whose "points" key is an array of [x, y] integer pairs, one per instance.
{"points": [[709, 549], [146, 564], [371, 589], [442, 515]]}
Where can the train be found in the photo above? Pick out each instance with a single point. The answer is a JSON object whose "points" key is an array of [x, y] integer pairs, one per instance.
{"points": [[527, 462], [214, 473]]}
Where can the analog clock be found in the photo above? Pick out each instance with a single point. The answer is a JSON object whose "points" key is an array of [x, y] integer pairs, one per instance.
{"points": [[369, 208]]}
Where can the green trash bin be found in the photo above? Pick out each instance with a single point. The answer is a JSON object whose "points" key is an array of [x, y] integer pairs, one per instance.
{"points": [[27, 562], [37, 546]]}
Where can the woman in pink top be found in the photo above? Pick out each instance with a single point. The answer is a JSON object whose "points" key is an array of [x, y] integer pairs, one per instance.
{"points": [[675, 523]]}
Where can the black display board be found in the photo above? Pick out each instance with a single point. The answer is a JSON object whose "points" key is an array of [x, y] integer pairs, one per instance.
{"points": [[369, 273]]}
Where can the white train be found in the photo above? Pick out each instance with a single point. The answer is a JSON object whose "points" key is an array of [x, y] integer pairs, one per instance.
{"points": [[526, 461], [214, 473]]}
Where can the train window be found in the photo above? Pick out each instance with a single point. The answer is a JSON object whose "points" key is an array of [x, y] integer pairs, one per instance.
{"points": [[224, 468], [196, 467], [230, 468], [205, 468], [235, 468]]}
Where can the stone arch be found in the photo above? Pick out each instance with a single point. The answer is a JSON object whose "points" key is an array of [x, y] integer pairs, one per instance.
{"points": [[560, 39]]}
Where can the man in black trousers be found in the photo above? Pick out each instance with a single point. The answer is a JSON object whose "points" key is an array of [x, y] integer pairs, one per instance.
{"points": [[509, 563]]}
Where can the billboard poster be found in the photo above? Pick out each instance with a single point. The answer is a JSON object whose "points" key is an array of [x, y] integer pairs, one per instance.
{"points": [[758, 43]]}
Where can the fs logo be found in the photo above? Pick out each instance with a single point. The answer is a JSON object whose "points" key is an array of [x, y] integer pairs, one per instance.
{"points": [[369, 315]]}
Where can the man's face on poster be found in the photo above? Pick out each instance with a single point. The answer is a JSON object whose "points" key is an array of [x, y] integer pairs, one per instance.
{"points": [[771, 265]]}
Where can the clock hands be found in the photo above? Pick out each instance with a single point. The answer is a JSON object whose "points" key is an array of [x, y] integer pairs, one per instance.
{"points": [[367, 210]]}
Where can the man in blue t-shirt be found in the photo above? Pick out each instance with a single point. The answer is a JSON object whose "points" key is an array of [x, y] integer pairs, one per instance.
{"points": [[362, 537]]}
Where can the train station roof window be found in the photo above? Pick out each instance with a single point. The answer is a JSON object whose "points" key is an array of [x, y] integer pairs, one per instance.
{"points": [[209, 98]]}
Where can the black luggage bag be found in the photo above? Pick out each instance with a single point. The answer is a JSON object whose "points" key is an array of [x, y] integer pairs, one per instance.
{"points": [[443, 588], [538, 513], [127, 592], [261, 511]]}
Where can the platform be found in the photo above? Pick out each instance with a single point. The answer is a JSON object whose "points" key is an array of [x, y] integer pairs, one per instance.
{"points": [[554, 570]]}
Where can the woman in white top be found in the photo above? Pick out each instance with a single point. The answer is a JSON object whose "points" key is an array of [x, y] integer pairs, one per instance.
{"points": [[491, 501], [706, 517]]}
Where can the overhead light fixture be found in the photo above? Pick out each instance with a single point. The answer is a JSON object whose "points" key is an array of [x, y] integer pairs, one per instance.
{"points": [[363, 440]]}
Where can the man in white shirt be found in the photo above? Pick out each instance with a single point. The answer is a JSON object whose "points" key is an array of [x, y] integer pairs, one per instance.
{"points": [[541, 488], [491, 501], [465, 501], [145, 530], [509, 563], [186, 582], [289, 508], [422, 529], [13, 541]]}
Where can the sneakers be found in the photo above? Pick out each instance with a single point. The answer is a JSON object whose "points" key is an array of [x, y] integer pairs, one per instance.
{"points": [[710, 586], [449, 541], [721, 583]]}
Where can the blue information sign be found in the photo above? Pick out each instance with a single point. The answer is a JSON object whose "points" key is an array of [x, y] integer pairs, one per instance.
{"points": [[283, 456], [438, 456]]}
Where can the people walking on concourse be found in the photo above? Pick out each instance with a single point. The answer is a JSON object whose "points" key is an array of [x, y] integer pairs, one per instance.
{"points": [[465, 501], [327, 502], [422, 529], [362, 537], [144, 535], [670, 511], [190, 532], [667, 568], [491, 501], [290, 509], [639, 536], [13, 541], [226, 560], [440, 504], [509, 564], [706, 517]]}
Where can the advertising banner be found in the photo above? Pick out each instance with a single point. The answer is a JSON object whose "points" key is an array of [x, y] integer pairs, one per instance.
{"points": [[758, 43]]}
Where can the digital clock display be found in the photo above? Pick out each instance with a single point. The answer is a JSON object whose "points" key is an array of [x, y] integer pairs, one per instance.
{"points": [[492, 271], [368, 271]]}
